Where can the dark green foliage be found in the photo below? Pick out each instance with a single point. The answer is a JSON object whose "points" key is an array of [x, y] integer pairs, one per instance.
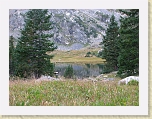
{"points": [[128, 60], [121, 45], [110, 44], [33, 44], [69, 73], [11, 56], [99, 54], [88, 54], [107, 68]]}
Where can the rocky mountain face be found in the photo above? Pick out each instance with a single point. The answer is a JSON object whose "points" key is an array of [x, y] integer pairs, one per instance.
{"points": [[72, 28]]}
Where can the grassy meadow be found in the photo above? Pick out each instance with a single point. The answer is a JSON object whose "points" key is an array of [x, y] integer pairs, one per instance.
{"points": [[72, 93], [76, 56]]}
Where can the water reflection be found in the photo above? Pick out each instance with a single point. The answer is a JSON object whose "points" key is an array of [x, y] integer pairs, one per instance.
{"points": [[80, 70]]}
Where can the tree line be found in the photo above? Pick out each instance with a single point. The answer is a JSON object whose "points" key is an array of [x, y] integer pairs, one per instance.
{"points": [[121, 44]]}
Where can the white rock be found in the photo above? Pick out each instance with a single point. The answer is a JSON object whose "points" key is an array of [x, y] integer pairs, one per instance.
{"points": [[100, 76], [105, 76], [94, 80], [49, 77], [127, 79]]}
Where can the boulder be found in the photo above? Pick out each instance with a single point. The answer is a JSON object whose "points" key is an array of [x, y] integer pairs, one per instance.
{"points": [[100, 77], [47, 78], [110, 79], [127, 79], [105, 76]]}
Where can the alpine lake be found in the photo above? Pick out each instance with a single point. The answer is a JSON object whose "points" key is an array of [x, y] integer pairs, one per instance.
{"points": [[80, 70]]}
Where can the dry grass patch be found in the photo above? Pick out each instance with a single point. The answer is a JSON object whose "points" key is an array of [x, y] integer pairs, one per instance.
{"points": [[77, 56]]}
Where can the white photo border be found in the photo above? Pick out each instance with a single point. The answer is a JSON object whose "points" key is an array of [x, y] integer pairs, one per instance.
{"points": [[142, 109]]}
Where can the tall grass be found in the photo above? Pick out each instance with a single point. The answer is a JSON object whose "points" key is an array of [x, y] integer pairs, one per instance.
{"points": [[72, 93]]}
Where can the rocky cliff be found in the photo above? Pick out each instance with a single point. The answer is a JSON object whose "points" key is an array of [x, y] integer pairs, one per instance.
{"points": [[73, 28]]}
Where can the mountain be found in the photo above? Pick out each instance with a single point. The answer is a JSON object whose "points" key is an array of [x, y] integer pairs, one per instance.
{"points": [[72, 28]]}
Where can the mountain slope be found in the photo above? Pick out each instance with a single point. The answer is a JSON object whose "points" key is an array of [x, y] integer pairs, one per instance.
{"points": [[72, 28]]}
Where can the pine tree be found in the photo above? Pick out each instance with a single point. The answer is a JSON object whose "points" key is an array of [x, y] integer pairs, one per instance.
{"points": [[69, 72], [11, 56], [33, 44], [128, 60], [110, 47]]}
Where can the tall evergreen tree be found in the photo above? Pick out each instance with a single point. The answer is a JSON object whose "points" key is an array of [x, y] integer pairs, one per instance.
{"points": [[128, 60], [110, 47], [33, 44], [11, 56]]}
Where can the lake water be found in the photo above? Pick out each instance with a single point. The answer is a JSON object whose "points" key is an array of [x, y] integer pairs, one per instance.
{"points": [[80, 70]]}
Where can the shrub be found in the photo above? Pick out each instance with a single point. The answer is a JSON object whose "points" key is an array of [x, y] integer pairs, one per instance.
{"points": [[133, 82], [88, 54], [99, 54], [69, 72]]}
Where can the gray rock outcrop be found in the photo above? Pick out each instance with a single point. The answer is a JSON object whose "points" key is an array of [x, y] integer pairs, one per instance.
{"points": [[71, 27]]}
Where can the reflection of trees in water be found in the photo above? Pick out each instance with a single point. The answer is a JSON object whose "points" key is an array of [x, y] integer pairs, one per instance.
{"points": [[107, 68], [80, 70], [94, 70], [88, 65], [101, 67]]}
